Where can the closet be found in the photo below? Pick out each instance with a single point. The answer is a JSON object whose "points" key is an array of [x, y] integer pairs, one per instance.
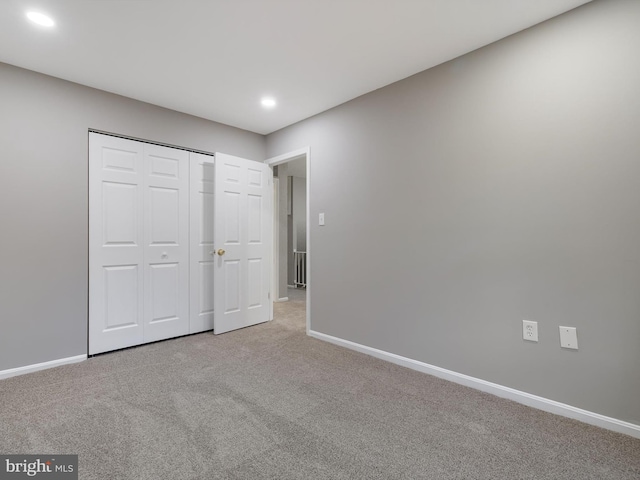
{"points": [[150, 242], [152, 262]]}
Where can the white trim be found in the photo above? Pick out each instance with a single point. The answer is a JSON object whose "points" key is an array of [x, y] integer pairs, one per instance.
{"points": [[304, 152], [275, 285], [528, 399], [289, 157], [283, 299], [12, 372]]}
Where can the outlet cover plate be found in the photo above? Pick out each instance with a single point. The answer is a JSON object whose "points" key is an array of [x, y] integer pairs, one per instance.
{"points": [[569, 337], [530, 330]]}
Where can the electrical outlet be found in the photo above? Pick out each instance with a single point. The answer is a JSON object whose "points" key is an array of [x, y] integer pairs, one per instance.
{"points": [[530, 330], [569, 337]]}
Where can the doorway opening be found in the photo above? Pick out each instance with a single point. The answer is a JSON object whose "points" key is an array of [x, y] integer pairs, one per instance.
{"points": [[291, 283]]}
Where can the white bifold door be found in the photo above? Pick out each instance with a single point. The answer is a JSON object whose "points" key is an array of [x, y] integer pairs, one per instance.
{"points": [[242, 240], [179, 242], [138, 243]]}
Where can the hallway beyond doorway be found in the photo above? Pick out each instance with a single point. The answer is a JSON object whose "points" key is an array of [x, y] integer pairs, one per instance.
{"points": [[292, 313]]}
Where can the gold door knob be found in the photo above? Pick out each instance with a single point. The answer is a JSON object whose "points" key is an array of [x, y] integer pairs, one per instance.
{"points": [[220, 251]]}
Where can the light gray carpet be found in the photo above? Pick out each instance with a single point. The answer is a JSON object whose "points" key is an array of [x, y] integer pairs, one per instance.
{"points": [[269, 402]]}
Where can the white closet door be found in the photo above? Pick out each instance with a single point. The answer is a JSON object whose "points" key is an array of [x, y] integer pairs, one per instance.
{"points": [[242, 239], [116, 177], [166, 242], [201, 252]]}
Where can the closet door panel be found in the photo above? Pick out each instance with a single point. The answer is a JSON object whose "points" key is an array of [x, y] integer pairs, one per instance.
{"points": [[166, 242], [201, 238], [115, 243]]}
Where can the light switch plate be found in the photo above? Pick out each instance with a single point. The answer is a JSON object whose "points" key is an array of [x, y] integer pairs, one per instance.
{"points": [[569, 337], [321, 219]]}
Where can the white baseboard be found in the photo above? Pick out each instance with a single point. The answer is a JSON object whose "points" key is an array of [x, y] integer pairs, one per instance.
{"points": [[283, 299], [12, 372], [528, 399]]}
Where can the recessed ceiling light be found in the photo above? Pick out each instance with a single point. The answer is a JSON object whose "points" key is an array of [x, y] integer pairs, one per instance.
{"points": [[268, 102], [40, 19]]}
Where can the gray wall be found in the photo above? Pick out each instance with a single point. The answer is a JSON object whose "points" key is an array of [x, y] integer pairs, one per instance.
{"points": [[283, 237], [44, 205], [498, 187], [298, 221]]}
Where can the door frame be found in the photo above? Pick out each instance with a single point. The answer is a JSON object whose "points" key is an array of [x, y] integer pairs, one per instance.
{"points": [[298, 154], [275, 225]]}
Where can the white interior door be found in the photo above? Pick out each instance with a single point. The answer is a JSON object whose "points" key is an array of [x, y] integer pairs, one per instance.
{"points": [[166, 242], [116, 259], [242, 241], [201, 252]]}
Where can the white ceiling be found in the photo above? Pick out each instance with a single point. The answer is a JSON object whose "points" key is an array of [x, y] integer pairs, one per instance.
{"points": [[217, 58]]}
